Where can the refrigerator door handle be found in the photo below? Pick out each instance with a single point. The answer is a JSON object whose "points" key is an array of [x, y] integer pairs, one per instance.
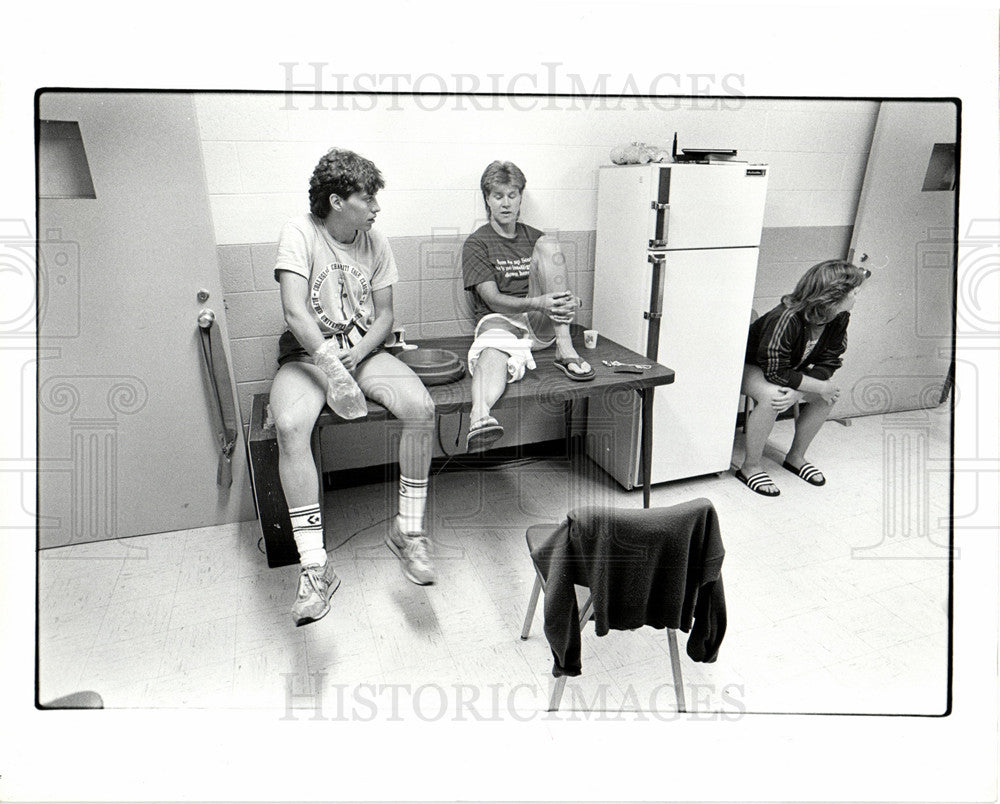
{"points": [[662, 210], [655, 312]]}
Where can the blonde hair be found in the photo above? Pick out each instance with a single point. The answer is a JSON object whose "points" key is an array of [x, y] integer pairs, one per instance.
{"points": [[499, 173], [823, 287]]}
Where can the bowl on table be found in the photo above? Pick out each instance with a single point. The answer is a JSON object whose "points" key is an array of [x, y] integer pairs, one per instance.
{"points": [[434, 366]]}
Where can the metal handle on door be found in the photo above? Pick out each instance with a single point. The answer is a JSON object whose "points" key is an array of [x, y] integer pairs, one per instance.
{"points": [[217, 368]]}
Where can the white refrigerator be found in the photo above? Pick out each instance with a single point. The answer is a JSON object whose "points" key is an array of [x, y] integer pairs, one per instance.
{"points": [[680, 241]]}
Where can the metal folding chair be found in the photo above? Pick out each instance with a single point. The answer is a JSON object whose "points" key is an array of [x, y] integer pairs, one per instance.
{"points": [[536, 535]]}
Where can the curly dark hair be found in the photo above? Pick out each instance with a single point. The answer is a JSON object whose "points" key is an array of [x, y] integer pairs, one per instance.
{"points": [[340, 172], [823, 287]]}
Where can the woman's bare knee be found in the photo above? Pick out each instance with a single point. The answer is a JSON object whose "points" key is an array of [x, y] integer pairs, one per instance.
{"points": [[419, 409], [293, 432]]}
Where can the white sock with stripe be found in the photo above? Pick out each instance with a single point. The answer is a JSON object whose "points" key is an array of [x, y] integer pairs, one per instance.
{"points": [[307, 528], [412, 501]]}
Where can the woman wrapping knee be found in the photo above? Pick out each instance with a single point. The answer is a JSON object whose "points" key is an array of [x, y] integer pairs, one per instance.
{"points": [[521, 300]]}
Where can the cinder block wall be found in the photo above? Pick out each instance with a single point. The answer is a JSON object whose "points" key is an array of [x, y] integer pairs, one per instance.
{"points": [[259, 151], [429, 299]]}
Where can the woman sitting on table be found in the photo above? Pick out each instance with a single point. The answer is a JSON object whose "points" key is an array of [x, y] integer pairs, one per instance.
{"points": [[521, 300], [336, 275], [792, 353]]}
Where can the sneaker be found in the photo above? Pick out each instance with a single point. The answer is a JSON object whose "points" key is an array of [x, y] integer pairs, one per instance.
{"points": [[413, 550], [316, 586]]}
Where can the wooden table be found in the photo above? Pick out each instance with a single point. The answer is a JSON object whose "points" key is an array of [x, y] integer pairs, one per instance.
{"points": [[545, 383]]}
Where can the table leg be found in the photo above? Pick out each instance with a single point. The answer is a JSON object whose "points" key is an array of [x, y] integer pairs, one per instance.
{"points": [[647, 442]]}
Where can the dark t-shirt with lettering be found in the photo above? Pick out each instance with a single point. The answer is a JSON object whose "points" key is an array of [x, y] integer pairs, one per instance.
{"points": [[487, 255]]}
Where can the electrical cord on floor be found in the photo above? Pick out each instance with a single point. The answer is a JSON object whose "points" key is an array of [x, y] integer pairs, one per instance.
{"points": [[369, 526], [509, 463], [345, 540]]}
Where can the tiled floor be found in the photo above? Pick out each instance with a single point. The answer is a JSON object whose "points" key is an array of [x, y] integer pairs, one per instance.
{"points": [[837, 600]]}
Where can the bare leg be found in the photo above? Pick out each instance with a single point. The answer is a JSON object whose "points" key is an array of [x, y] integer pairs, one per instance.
{"points": [[488, 383], [387, 380], [549, 275], [807, 425], [394, 385], [298, 394], [759, 423]]}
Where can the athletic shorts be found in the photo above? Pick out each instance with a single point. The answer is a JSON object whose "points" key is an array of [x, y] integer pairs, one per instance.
{"points": [[494, 332], [291, 351]]}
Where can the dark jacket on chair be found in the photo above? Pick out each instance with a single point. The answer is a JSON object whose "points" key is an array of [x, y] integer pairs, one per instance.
{"points": [[657, 566]]}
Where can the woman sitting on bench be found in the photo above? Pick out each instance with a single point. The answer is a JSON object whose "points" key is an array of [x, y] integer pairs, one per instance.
{"points": [[336, 275]]}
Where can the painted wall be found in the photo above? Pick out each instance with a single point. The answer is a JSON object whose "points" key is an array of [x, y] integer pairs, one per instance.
{"points": [[259, 152]]}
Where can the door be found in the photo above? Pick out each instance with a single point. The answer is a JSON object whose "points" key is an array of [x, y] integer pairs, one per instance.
{"points": [[899, 350], [127, 441]]}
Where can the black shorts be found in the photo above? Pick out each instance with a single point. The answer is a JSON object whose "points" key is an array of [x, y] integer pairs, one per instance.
{"points": [[291, 351]]}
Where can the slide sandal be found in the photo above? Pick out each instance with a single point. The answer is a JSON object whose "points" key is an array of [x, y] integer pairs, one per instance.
{"points": [[583, 375], [807, 472], [756, 483], [483, 433]]}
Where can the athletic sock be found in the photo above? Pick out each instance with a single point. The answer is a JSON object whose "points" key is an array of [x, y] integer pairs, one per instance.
{"points": [[412, 501], [307, 528]]}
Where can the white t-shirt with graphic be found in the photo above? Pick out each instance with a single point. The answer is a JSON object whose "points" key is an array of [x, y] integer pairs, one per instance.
{"points": [[342, 277]]}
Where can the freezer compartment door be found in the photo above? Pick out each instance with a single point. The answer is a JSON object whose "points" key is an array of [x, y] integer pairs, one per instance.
{"points": [[681, 206], [712, 206]]}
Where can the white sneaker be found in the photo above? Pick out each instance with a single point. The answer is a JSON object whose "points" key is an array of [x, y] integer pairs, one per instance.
{"points": [[413, 551], [316, 586]]}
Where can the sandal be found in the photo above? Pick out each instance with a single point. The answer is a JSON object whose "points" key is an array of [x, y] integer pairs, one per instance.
{"points": [[807, 472], [583, 375], [482, 434], [756, 483]]}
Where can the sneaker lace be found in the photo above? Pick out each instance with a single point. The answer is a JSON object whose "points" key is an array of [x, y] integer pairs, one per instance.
{"points": [[418, 550], [309, 581]]}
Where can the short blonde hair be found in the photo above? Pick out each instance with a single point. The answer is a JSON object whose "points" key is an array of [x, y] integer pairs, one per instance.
{"points": [[498, 174]]}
